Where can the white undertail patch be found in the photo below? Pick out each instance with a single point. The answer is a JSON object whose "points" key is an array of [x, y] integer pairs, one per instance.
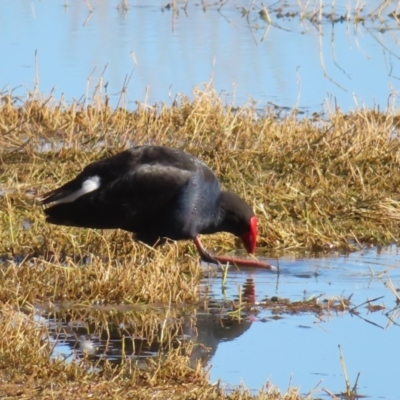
{"points": [[89, 185]]}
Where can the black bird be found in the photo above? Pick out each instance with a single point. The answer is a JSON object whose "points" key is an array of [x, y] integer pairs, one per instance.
{"points": [[157, 193]]}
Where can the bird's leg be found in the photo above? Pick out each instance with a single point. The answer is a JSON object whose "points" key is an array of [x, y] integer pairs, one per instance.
{"points": [[207, 257], [204, 254]]}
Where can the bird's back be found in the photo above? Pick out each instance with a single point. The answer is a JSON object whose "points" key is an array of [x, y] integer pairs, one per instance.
{"points": [[153, 191]]}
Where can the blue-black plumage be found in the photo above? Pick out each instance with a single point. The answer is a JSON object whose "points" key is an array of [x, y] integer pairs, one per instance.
{"points": [[157, 193]]}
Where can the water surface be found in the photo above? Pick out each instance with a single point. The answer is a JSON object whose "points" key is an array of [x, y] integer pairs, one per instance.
{"points": [[301, 57], [303, 348]]}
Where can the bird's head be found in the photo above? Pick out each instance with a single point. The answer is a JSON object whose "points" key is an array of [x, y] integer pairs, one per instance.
{"points": [[249, 238], [237, 217]]}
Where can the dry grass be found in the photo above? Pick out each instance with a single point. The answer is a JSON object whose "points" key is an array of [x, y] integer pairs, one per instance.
{"points": [[317, 12], [314, 182], [318, 183], [138, 277], [27, 371]]}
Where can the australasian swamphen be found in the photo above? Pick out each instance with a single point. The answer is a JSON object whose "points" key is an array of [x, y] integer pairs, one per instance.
{"points": [[157, 193]]}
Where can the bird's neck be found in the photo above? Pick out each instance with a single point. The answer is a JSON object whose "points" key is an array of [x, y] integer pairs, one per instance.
{"points": [[223, 218]]}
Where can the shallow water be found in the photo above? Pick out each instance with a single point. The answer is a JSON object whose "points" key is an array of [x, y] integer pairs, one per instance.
{"points": [[267, 343], [302, 348], [156, 52]]}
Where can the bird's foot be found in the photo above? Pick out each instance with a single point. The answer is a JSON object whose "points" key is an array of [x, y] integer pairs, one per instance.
{"points": [[207, 257]]}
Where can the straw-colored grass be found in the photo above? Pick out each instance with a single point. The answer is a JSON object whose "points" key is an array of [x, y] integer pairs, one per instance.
{"points": [[122, 280], [318, 183], [314, 183], [27, 371]]}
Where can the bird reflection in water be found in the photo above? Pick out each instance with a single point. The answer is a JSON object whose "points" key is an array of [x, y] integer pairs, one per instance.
{"points": [[203, 328]]}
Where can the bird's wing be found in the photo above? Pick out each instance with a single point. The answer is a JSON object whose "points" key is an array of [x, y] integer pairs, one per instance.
{"points": [[147, 186], [141, 177]]}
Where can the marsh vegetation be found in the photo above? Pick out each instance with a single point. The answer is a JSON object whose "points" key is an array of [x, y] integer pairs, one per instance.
{"points": [[316, 184]]}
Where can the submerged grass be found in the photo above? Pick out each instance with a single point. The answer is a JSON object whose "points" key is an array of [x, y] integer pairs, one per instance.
{"points": [[28, 371], [315, 183]]}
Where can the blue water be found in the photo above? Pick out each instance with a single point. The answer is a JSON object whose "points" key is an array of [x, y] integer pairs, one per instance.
{"points": [[303, 348], [159, 53]]}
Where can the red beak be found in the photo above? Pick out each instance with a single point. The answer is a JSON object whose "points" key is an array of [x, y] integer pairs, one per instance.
{"points": [[249, 239]]}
